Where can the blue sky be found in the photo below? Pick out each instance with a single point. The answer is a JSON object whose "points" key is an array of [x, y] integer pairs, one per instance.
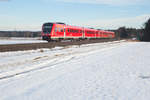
{"points": [[103, 14]]}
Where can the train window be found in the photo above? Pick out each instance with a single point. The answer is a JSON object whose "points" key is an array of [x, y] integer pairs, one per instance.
{"points": [[55, 29], [47, 28], [75, 31], [80, 31], [59, 30], [62, 30]]}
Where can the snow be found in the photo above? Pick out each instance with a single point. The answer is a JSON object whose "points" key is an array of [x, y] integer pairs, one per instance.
{"points": [[16, 40], [101, 71]]}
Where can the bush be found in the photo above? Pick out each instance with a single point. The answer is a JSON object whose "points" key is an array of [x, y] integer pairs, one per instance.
{"points": [[123, 32]]}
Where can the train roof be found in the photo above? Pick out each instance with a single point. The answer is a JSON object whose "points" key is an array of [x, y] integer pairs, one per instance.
{"points": [[60, 23], [78, 27]]}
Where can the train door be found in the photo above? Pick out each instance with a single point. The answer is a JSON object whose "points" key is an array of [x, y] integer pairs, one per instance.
{"points": [[64, 32], [83, 33]]}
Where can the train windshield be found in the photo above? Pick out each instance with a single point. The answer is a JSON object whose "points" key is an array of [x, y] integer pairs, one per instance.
{"points": [[47, 28]]}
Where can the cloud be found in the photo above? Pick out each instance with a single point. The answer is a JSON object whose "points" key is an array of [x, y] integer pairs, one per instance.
{"points": [[4, 0], [131, 22], [109, 2]]}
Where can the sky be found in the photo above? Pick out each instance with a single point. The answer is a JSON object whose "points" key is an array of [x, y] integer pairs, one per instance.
{"points": [[100, 14]]}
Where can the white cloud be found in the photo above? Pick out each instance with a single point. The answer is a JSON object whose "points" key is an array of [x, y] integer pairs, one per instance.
{"points": [[4, 0], [109, 2], [133, 22], [130, 22]]}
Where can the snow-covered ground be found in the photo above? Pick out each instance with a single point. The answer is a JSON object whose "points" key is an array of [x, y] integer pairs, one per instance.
{"points": [[100, 71], [14, 40]]}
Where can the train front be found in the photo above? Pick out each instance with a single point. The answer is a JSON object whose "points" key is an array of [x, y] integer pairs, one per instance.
{"points": [[46, 31]]}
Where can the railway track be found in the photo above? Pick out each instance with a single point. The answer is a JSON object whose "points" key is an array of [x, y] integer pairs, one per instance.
{"points": [[33, 46]]}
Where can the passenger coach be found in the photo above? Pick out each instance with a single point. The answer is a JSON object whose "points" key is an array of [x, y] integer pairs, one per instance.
{"points": [[60, 31]]}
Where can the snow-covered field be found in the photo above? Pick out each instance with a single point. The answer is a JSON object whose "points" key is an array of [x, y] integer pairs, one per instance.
{"points": [[100, 71], [20, 40]]}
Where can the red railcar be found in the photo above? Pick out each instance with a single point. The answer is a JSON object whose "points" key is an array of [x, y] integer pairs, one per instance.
{"points": [[58, 31]]}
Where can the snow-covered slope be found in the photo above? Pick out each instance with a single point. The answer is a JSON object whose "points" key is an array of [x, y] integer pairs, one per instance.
{"points": [[101, 71]]}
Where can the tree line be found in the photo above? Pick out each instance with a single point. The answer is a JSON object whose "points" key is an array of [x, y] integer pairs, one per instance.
{"points": [[20, 34], [146, 32], [142, 34]]}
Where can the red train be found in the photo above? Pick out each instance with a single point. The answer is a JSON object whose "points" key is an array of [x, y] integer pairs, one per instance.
{"points": [[59, 31]]}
